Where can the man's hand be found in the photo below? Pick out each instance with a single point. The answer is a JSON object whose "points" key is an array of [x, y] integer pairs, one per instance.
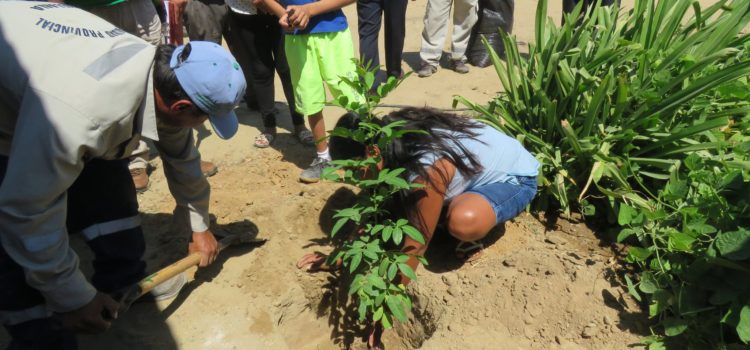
{"points": [[204, 243], [179, 9], [299, 16], [94, 317]]}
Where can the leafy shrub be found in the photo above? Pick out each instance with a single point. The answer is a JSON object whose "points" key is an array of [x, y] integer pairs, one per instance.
{"points": [[615, 100], [372, 255], [642, 118]]}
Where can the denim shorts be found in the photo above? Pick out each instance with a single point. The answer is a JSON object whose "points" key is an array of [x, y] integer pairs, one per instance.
{"points": [[506, 198]]}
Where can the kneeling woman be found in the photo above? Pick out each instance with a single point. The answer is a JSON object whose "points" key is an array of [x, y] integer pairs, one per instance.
{"points": [[477, 176]]}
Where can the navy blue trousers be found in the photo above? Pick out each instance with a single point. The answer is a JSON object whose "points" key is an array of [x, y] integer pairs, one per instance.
{"points": [[104, 192], [370, 13]]}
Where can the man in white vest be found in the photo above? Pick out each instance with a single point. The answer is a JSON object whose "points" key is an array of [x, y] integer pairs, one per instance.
{"points": [[76, 95]]}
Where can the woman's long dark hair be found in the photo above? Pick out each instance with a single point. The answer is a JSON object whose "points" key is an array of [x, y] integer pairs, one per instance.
{"points": [[442, 137]]}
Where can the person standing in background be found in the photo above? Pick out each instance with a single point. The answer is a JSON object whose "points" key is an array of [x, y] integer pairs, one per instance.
{"points": [[320, 52], [137, 17], [436, 19], [64, 167], [370, 13], [140, 18], [257, 41]]}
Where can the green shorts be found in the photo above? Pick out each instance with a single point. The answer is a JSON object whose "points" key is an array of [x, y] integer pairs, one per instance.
{"points": [[317, 58]]}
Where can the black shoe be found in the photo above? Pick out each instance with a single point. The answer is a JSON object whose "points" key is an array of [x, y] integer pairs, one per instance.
{"points": [[426, 70], [459, 66]]}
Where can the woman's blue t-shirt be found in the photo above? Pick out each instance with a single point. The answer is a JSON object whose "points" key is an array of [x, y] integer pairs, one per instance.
{"points": [[502, 159], [329, 22]]}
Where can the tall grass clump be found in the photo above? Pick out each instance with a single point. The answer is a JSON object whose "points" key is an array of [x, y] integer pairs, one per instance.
{"points": [[641, 119]]}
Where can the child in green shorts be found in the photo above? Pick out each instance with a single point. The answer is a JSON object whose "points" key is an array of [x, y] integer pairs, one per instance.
{"points": [[319, 50]]}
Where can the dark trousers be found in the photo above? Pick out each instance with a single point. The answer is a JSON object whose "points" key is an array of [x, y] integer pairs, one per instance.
{"points": [[103, 193], [258, 44], [570, 5], [205, 20], [369, 13]]}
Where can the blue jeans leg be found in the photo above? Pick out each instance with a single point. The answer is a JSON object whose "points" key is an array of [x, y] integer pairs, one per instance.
{"points": [[508, 199]]}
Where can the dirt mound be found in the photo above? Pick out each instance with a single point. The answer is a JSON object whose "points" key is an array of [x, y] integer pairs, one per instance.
{"points": [[533, 288]]}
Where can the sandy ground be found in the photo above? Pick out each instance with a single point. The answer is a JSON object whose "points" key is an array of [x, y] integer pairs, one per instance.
{"points": [[537, 287]]}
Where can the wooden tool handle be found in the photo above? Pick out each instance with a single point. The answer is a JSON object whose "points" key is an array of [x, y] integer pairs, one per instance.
{"points": [[158, 277]]}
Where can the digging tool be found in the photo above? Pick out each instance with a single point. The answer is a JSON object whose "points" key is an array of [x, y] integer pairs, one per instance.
{"points": [[139, 289]]}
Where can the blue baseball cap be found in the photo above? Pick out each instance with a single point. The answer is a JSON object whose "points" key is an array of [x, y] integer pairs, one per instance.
{"points": [[213, 79]]}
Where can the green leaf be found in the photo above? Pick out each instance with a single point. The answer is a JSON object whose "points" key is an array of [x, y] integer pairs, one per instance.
{"points": [[354, 262], [743, 327], [376, 281], [407, 271], [638, 254], [631, 288], [370, 254], [356, 284], [392, 270], [661, 300], [379, 299], [413, 233], [626, 214], [387, 232], [657, 345], [395, 307], [378, 314], [402, 258], [383, 267], [377, 228], [397, 235], [624, 234], [674, 326], [648, 284], [681, 241], [734, 245], [338, 225], [362, 309], [386, 321]]}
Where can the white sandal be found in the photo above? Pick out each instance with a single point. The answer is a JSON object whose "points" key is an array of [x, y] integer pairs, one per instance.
{"points": [[264, 140]]}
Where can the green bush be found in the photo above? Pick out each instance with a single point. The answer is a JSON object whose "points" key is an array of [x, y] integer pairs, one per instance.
{"points": [[372, 253], [615, 100], [642, 118]]}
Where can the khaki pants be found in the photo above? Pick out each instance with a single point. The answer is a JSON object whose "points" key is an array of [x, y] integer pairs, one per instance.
{"points": [[436, 26]]}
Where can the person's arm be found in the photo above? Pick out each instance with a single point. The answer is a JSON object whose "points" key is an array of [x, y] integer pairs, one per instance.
{"points": [[50, 141], [429, 207], [188, 186], [271, 6], [179, 9], [299, 15]]}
